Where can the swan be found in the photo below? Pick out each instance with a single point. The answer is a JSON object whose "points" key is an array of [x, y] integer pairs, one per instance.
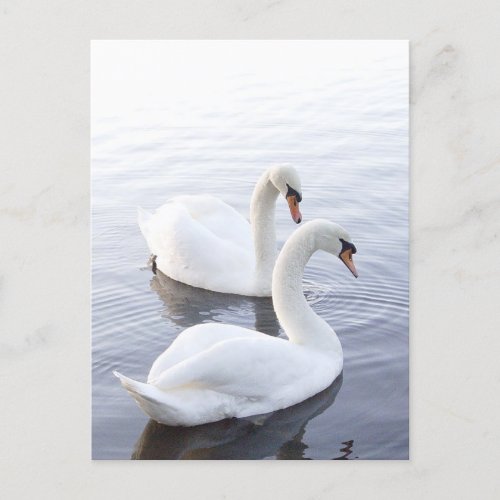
{"points": [[203, 242], [214, 371]]}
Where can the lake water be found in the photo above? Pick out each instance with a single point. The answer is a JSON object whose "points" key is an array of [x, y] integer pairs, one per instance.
{"points": [[345, 129]]}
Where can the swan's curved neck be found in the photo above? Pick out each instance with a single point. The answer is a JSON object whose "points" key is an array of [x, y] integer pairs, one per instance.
{"points": [[301, 324], [262, 209]]}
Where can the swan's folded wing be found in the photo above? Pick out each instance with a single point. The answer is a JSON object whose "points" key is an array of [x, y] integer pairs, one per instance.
{"points": [[193, 248], [208, 218], [219, 218], [195, 340], [242, 367]]}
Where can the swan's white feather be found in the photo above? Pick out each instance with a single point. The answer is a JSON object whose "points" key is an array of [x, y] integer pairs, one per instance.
{"points": [[194, 340], [201, 241], [235, 374]]}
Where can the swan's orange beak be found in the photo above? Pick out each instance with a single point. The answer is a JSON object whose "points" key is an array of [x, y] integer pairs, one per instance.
{"points": [[293, 205], [346, 258]]}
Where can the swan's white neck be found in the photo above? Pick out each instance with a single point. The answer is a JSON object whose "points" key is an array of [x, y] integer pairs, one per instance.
{"points": [[301, 324], [262, 209]]}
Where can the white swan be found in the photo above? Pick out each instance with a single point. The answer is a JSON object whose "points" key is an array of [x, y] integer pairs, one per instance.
{"points": [[215, 371], [203, 242]]}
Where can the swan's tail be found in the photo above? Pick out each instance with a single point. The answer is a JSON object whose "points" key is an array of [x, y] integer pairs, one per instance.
{"points": [[131, 385], [151, 400], [138, 390], [144, 218]]}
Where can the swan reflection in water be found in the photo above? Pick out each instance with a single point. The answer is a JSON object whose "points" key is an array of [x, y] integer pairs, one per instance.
{"points": [[277, 434], [187, 306]]}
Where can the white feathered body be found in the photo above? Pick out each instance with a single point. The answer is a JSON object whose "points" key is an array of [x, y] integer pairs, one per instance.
{"points": [[215, 371], [203, 242]]}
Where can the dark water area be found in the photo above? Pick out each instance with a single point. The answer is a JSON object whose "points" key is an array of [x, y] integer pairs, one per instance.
{"points": [[347, 135]]}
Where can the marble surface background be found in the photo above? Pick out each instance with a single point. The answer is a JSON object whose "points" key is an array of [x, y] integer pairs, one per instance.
{"points": [[45, 257]]}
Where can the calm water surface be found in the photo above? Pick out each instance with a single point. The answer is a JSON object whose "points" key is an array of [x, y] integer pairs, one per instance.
{"points": [[346, 133]]}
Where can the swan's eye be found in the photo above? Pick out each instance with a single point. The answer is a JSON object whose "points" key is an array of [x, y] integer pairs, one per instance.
{"points": [[346, 245], [293, 192]]}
